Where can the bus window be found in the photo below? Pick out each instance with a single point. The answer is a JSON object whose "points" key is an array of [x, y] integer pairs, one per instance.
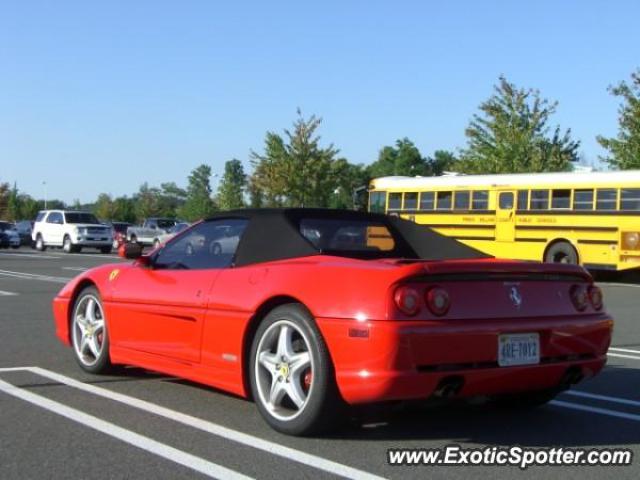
{"points": [[523, 200], [607, 198], [630, 199], [410, 201], [395, 201], [506, 200], [583, 200], [480, 200], [427, 200], [377, 202], [444, 201], [539, 199], [561, 199], [461, 201]]}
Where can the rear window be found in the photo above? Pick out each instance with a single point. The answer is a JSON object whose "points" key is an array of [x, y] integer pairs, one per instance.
{"points": [[336, 235], [165, 224], [79, 217], [40, 216]]}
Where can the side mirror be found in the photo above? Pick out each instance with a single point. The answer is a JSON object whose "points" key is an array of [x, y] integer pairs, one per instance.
{"points": [[130, 251]]}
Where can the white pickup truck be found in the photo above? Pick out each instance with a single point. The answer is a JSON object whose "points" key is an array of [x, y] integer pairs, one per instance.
{"points": [[150, 231], [70, 230]]}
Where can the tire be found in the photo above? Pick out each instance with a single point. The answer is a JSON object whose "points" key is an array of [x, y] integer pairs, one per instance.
{"points": [[106, 249], [40, 246], [289, 350], [527, 401], [561, 252], [89, 332], [67, 245]]}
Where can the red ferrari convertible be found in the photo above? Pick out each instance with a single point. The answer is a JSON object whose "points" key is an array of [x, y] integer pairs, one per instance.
{"points": [[310, 310]]}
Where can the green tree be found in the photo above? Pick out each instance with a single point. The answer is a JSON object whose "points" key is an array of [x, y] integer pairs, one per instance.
{"points": [[198, 202], [295, 170], [442, 161], [511, 134], [171, 198], [4, 199], [402, 159], [624, 150], [124, 209], [104, 207], [348, 177], [147, 202], [13, 204], [28, 207], [232, 185]]}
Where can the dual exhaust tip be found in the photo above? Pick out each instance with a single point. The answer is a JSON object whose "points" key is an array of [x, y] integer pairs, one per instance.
{"points": [[451, 386]]}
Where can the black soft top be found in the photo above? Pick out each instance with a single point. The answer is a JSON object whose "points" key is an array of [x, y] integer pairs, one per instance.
{"points": [[274, 234]]}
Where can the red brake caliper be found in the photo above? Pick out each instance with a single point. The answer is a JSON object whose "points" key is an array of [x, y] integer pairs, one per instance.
{"points": [[308, 377]]}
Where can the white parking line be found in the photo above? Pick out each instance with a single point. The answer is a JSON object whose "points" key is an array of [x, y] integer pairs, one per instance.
{"points": [[620, 355], [606, 398], [7, 294], [611, 284], [33, 276], [210, 427], [627, 350], [29, 255], [75, 269], [145, 443], [601, 411]]}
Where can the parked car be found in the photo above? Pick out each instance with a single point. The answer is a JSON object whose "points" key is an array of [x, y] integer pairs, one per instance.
{"points": [[119, 232], [150, 231], [315, 310], [4, 240], [71, 230], [9, 231], [162, 239], [24, 229]]}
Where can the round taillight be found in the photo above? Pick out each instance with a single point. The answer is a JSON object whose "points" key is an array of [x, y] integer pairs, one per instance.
{"points": [[438, 301], [595, 297], [579, 297], [407, 300]]}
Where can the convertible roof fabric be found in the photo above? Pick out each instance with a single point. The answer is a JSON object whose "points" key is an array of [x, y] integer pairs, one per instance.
{"points": [[274, 234]]}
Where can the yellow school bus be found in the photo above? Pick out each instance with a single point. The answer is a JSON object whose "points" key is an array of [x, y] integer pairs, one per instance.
{"points": [[587, 218]]}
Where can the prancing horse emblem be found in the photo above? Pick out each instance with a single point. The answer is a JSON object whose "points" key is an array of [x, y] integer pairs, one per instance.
{"points": [[515, 296]]}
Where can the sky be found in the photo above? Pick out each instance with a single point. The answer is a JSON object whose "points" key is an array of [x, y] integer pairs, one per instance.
{"points": [[103, 96]]}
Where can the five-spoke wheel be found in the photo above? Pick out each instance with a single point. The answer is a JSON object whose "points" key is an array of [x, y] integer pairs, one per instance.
{"points": [[89, 332], [291, 375]]}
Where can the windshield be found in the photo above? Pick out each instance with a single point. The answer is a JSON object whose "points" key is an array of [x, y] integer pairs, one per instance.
{"points": [[79, 217]]}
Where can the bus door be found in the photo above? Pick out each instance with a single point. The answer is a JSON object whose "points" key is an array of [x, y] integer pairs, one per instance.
{"points": [[506, 216]]}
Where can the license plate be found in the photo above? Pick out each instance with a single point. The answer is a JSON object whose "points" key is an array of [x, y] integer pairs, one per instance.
{"points": [[518, 349]]}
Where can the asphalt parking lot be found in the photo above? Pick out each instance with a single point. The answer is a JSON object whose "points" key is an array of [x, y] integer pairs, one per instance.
{"points": [[58, 422]]}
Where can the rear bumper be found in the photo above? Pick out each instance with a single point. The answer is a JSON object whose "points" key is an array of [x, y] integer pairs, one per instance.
{"points": [[395, 360]]}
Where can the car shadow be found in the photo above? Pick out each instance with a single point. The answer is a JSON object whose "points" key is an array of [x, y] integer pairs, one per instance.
{"points": [[489, 424]]}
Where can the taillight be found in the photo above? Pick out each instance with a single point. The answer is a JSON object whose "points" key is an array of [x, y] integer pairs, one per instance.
{"points": [[579, 297], [437, 300], [595, 297], [407, 300]]}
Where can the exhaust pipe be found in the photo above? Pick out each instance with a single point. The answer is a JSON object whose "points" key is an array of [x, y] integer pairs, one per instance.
{"points": [[449, 387], [572, 376]]}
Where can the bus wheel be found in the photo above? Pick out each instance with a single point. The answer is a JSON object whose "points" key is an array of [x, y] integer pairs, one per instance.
{"points": [[561, 252]]}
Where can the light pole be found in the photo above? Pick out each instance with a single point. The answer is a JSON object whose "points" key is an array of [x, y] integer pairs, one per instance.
{"points": [[44, 185]]}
